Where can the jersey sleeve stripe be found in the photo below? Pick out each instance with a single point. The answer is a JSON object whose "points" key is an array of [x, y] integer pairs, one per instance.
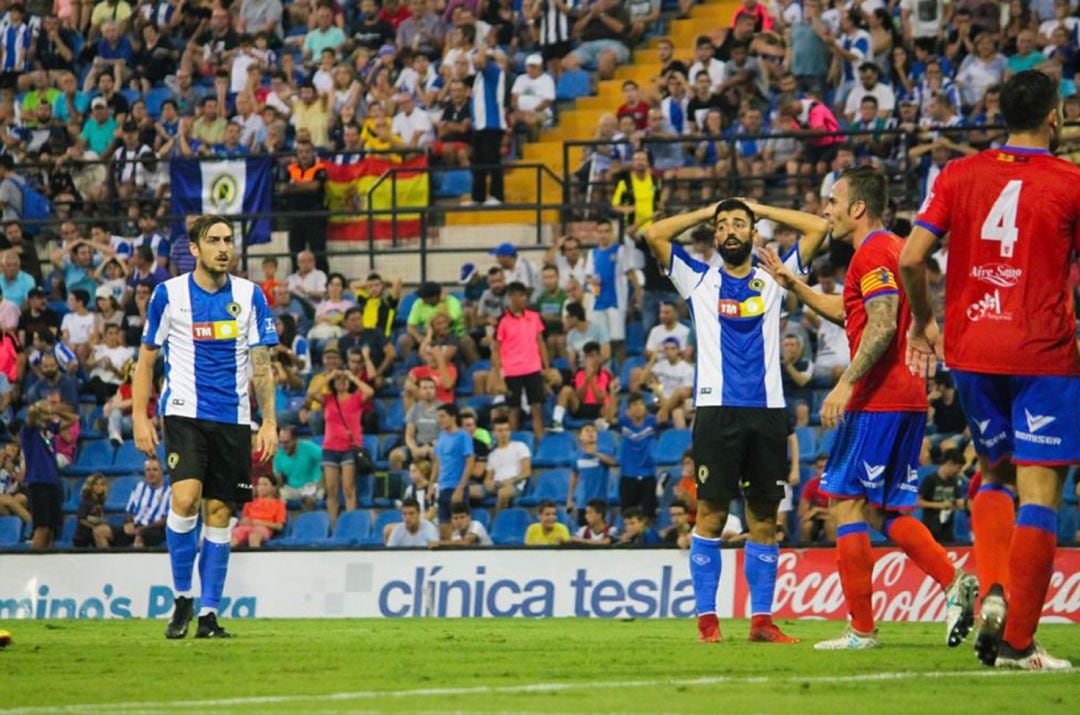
{"points": [[797, 265], [877, 293], [930, 227]]}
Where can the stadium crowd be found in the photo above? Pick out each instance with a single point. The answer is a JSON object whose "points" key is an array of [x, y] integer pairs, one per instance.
{"points": [[538, 402]]}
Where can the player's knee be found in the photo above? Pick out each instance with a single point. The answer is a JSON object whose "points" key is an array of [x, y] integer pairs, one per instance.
{"points": [[184, 504], [710, 519]]}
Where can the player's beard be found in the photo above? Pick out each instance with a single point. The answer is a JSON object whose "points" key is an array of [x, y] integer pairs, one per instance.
{"points": [[210, 266], [735, 256]]}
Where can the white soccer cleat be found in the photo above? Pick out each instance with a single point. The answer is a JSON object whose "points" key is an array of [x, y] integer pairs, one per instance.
{"points": [[991, 624], [851, 640], [960, 600], [1036, 658]]}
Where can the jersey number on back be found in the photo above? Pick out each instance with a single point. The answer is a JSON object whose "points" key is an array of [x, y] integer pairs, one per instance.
{"points": [[1000, 223]]}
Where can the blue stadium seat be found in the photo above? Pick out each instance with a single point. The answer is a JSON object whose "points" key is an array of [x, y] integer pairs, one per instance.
{"points": [[628, 365], [131, 95], [67, 533], [483, 516], [371, 444], [635, 338], [479, 403], [826, 442], [926, 470], [808, 443], [87, 425], [395, 418], [92, 457], [452, 184], [353, 528], [564, 518], [527, 437], [154, 99], [573, 84], [310, 529], [509, 527], [404, 307], [119, 492], [1068, 525], [607, 441], [128, 460], [10, 531], [962, 527], [387, 442], [663, 520], [671, 445], [386, 516], [72, 495], [553, 484], [557, 449]]}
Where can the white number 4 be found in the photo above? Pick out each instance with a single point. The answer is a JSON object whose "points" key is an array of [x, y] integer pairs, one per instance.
{"points": [[1000, 223]]}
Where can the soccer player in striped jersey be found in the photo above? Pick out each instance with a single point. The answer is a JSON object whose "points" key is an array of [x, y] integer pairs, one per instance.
{"points": [[1013, 218], [214, 329], [740, 432], [881, 411]]}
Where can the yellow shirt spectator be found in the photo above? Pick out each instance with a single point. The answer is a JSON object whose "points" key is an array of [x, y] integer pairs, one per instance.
{"points": [[536, 536], [311, 111], [119, 11]]}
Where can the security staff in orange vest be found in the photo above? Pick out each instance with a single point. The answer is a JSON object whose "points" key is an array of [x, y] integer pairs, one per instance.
{"points": [[306, 196]]}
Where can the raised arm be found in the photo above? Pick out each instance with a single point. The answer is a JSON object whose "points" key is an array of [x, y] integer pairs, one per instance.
{"points": [[830, 307], [814, 229], [659, 235]]}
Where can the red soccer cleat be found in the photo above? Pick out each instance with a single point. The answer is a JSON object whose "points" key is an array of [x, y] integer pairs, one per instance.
{"points": [[708, 629], [763, 630]]}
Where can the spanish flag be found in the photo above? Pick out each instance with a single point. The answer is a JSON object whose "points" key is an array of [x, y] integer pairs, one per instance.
{"points": [[879, 281], [347, 189]]}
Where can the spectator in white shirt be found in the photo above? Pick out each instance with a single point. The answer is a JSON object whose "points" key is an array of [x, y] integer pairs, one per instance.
{"points": [[465, 532], [308, 282], [704, 52], [532, 95], [411, 532], [668, 327], [411, 124], [870, 85], [671, 379], [77, 327], [509, 466], [565, 254], [106, 364], [833, 353], [516, 268]]}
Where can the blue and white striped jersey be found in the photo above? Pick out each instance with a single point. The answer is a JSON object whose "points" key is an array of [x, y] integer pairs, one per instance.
{"points": [[737, 327], [147, 504], [207, 339], [488, 97]]}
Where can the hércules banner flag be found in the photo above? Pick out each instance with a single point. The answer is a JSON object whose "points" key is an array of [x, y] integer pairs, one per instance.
{"points": [[227, 187]]}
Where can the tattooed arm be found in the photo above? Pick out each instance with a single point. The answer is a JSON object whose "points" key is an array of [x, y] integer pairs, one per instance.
{"points": [[262, 380], [881, 321]]}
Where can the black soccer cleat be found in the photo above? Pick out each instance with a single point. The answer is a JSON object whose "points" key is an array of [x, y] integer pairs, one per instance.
{"points": [[183, 609], [209, 628], [991, 625]]}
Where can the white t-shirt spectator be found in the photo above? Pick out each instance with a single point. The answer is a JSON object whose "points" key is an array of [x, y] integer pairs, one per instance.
{"points": [[313, 282], [238, 73], [524, 272], [1070, 26], [405, 125], [585, 532], [115, 356], [715, 69], [531, 92], [659, 333], [476, 529], [673, 376], [883, 93], [566, 271], [832, 343], [924, 16], [505, 462], [78, 327], [400, 537]]}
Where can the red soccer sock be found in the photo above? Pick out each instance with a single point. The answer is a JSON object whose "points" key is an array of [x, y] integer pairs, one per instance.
{"points": [[855, 560], [993, 517], [1031, 564], [918, 543]]}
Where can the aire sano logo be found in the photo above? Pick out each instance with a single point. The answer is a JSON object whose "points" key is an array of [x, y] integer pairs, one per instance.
{"points": [[1000, 275]]}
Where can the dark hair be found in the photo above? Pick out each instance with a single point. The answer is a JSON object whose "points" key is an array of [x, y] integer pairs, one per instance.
{"points": [[687, 454], [7, 162], [575, 310], [871, 99], [81, 295], [870, 186], [598, 505], [633, 512], [468, 33], [145, 253], [591, 347], [954, 455], [1026, 99], [545, 504], [500, 421], [702, 233], [734, 205], [410, 502], [703, 40], [450, 409], [679, 503], [517, 287], [288, 329], [460, 507], [202, 224], [629, 83], [635, 397], [339, 276]]}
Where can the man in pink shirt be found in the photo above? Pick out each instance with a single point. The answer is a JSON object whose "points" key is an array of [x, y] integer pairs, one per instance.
{"points": [[519, 357]]}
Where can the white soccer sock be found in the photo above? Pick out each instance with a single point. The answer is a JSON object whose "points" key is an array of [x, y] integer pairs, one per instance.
{"points": [[559, 415]]}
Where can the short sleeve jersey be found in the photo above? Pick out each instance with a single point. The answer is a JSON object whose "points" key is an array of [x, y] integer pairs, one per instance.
{"points": [[889, 386], [737, 325], [1013, 219], [207, 339]]}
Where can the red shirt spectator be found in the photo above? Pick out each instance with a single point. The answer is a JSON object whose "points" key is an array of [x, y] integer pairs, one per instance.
{"points": [[763, 22], [639, 111], [813, 495], [518, 347], [601, 383], [442, 394], [343, 422]]}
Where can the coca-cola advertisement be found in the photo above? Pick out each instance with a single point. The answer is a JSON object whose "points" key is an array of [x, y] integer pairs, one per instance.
{"points": [[808, 586]]}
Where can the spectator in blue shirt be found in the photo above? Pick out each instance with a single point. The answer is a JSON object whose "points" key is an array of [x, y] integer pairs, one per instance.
{"points": [[114, 53], [99, 131], [590, 473], [52, 380], [453, 463], [636, 529], [42, 476], [15, 282], [637, 486], [71, 104]]}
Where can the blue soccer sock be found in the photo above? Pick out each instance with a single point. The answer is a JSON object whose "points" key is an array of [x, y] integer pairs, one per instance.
{"points": [[705, 572], [183, 543], [213, 567], [759, 566]]}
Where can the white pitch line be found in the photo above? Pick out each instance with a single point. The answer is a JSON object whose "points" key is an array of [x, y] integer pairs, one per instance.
{"points": [[518, 690]]}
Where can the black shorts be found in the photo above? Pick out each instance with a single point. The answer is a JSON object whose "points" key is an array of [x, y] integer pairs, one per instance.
{"points": [[588, 412], [826, 154], [740, 447], [556, 50], [532, 385], [47, 506], [215, 453]]}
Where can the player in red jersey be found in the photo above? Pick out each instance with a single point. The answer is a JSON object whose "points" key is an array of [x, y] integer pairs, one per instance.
{"points": [[1013, 219], [880, 407]]}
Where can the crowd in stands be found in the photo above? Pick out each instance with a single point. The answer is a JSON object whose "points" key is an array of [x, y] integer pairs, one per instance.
{"points": [[537, 402]]}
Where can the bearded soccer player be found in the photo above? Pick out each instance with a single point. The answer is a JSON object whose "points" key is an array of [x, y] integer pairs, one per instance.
{"points": [[880, 408], [211, 325], [1013, 219], [740, 432]]}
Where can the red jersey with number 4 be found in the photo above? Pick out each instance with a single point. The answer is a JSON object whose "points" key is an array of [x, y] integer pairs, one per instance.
{"points": [[889, 386], [1013, 218]]}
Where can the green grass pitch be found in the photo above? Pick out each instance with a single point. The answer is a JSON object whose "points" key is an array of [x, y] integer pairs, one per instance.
{"points": [[548, 666]]}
